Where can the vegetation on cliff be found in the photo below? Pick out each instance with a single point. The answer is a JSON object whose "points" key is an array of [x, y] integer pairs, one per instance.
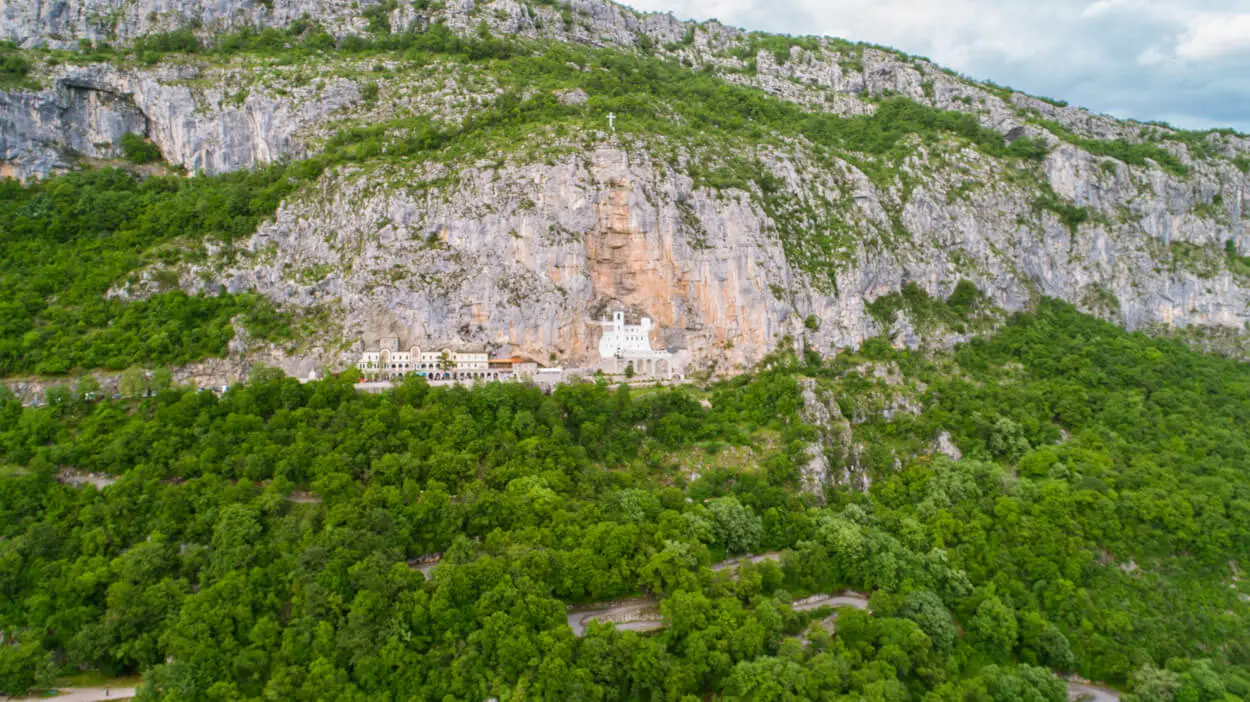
{"points": [[67, 241]]}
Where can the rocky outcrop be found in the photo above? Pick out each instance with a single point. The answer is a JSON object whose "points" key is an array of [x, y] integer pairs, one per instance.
{"points": [[832, 455], [63, 23], [205, 121], [39, 131], [199, 119]]}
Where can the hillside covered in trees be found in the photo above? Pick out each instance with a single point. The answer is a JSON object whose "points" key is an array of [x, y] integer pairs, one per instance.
{"points": [[1093, 526], [931, 323]]}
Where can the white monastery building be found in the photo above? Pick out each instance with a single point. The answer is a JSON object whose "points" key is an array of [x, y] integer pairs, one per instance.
{"points": [[623, 345], [388, 361]]}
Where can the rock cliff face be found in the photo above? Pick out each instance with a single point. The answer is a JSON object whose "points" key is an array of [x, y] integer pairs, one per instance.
{"points": [[522, 258], [63, 23], [211, 128], [521, 252]]}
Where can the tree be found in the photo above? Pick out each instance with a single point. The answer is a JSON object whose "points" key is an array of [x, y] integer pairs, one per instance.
{"points": [[162, 379], [22, 666], [58, 395], [637, 505], [927, 611], [675, 565], [769, 679], [445, 362], [133, 382], [1025, 684], [1041, 643], [994, 627], [88, 388], [1151, 684], [234, 539], [136, 149], [737, 526], [1007, 439], [629, 370]]}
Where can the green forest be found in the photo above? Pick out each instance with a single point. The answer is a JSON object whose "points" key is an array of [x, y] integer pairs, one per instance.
{"points": [[65, 242], [1085, 449]]}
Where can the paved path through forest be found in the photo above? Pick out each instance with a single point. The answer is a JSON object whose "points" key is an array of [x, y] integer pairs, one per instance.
{"points": [[81, 694], [732, 564], [627, 615], [78, 478], [1091, 693], [849, 599]]}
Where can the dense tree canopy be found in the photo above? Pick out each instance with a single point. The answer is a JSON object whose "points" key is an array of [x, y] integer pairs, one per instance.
{"points": [[988, 574]]}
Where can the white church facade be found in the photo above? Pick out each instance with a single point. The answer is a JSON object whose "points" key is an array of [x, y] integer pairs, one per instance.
{"points": [[623, 345]]}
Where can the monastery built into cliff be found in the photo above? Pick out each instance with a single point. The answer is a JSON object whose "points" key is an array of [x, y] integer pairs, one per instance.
{"points": [[622, 347]]}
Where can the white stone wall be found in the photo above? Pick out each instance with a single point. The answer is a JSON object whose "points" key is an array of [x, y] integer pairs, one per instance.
{"points": [[393, 361], [625, 340]]}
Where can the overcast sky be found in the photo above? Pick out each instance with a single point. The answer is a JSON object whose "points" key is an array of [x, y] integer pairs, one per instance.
{"points": [[1186, 62]]}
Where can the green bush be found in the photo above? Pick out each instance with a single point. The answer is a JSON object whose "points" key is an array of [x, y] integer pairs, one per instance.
{"points": [[964, 297], [182, 41], [925, 311], [1071, 215], [14, 68], [1135, 154], [137, 149]]}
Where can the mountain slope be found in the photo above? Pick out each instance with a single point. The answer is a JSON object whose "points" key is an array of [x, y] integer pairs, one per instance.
{"points": [[755, 188]]}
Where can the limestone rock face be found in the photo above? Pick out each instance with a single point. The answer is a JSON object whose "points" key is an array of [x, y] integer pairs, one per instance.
{"points": [[521, 252], [38, 129], [831, 458], [525, 259], [210, 129]]}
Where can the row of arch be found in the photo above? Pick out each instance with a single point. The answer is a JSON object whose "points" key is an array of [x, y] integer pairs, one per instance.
{"points": [[434, 376], [654, 367]]}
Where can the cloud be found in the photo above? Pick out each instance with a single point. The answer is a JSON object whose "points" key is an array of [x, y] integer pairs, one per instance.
{"points": [[1214, 36], [1176, 60]]}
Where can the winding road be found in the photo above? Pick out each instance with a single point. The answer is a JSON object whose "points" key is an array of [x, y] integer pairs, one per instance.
{"points": [[1091, 693], [733, 563], [77, 478], [644, 614], [846, 599], [627, 615], [81, 694]]}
